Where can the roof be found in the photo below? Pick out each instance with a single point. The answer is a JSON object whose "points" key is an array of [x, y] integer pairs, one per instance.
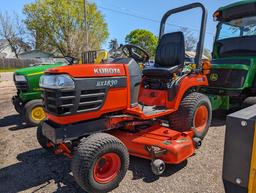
{"points": [[36, 51], [239, 3]]}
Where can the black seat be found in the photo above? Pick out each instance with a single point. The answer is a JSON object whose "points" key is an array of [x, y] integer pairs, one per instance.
{"points": [[170, 56]]}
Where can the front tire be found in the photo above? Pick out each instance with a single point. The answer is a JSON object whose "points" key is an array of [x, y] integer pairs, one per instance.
{"points": [[33, 112], [17, 104], [42, 140], [100, 163], [195, 112]]}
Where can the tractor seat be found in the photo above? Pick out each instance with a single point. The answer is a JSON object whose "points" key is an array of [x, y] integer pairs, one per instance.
{"points": [[170, 56], [160, 72]]}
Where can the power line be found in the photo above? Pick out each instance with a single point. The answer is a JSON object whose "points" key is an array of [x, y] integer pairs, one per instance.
{"points": [[149, 19]]}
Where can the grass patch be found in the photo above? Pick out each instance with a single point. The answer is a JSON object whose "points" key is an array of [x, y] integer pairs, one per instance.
{"points": [[8, 69]]}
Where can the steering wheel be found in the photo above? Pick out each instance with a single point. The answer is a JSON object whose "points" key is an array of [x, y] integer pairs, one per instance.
{"points": [[135, 52]]}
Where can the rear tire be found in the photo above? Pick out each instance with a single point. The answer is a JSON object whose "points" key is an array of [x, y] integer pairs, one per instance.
{"points": [[195, 112], [100, 163], [33, 112], [249, 101]]}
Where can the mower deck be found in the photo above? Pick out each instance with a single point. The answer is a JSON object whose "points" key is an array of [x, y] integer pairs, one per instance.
{"points": [[158, 141]]}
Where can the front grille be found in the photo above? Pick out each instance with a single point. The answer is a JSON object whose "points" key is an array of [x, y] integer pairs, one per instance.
{"points": [[59, 102], [87, 96], [64, 102], [91, 100], [227, 78], [22, 86]]}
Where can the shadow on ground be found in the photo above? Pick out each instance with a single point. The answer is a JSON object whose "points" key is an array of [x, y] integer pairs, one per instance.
{"points": [[14, 121], [141, 169], [38, 168], [219, 118]]}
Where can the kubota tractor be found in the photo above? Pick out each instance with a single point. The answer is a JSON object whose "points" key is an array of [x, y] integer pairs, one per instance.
{"points": [[98, 114]]}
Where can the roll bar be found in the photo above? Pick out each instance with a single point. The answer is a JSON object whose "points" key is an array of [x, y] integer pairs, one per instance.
{"points": [[200, 44]]}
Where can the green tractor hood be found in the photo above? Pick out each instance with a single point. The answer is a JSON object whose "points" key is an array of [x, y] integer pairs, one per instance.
{"points": [[36, 70]]}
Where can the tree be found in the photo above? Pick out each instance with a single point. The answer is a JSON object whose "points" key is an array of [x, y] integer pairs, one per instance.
{"points": [[190, 40], [59, 25], [207, 53], [113, 44], [144, 39], [13, 31]]}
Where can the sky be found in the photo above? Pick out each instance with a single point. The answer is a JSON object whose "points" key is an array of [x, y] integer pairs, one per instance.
{"points": [[123, 16]]}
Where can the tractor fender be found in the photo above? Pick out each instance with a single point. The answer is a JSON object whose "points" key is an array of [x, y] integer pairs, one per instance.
{"points": [[186, 84]]}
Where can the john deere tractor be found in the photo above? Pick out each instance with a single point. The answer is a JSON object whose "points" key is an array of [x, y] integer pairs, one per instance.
{"points": [[232, 82], [27, 101]]}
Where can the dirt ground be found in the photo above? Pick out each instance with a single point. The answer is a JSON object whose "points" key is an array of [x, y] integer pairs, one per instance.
{"points": [[25, 167]]}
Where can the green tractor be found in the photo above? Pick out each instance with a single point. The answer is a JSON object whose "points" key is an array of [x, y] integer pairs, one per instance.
{"points": [[232, 80], [28, 100]]}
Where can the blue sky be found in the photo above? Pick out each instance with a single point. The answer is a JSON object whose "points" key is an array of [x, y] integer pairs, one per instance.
{"points": [[121, 24]]}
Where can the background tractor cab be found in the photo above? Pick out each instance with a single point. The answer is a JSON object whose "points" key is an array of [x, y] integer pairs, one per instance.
{"points": [[232, 80], [98, 114]]}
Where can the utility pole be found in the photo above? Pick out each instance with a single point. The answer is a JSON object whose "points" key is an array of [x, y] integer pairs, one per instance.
{"points": [[86, 26]]}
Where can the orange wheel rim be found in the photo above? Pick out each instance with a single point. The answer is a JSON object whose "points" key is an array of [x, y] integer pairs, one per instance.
{"points": [[201, 118], [107, 168]]}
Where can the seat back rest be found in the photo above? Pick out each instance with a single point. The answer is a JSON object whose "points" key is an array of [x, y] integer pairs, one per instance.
{"points": [[170, 50]]}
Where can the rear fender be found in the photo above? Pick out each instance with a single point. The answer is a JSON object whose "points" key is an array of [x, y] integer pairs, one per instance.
{"points": [[187, 83]]}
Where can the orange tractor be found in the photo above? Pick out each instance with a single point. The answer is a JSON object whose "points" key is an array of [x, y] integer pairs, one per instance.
{"points": [[98, 114]]}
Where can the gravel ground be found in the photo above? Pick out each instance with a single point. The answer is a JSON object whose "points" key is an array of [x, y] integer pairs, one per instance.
{"points": [[25, 167]]}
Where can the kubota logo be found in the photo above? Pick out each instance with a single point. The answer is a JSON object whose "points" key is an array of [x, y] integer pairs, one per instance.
{"points": [[214, 77], [107, 71]]}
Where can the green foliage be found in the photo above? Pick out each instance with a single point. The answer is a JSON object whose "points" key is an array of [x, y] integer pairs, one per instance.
{"points": [[58, 25], [144, 39]]}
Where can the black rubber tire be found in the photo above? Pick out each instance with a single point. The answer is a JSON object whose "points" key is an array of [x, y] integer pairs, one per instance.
{"points": [[18, 107], [89, 151], [249, 101], [183, 119], [42, 140], [28, 109]]}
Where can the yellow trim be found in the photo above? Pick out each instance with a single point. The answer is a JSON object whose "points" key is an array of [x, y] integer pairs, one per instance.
{"points": [[102, 55], [252, 177], [36, 73]]}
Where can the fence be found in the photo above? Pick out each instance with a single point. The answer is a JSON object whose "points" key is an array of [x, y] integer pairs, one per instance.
{"points": [[16, 63]]}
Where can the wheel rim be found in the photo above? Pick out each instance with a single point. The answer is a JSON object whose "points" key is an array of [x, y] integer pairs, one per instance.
{"points": [[38, 114], [107, 168], [201, 118]]}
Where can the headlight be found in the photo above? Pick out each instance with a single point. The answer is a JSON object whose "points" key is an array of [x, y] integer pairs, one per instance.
{"points": [[57, 82], [19, 78]]}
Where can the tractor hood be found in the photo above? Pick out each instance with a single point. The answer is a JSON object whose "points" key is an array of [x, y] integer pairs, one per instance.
{"points": [[232, 63], [37, 69], [90, 70], [236, 10]]}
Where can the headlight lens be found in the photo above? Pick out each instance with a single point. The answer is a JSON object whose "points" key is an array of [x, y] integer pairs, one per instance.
{"points": [[57, 82], [19, 78]]}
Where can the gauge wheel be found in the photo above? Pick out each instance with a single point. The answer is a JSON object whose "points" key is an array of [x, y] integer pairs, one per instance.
{"points": [[100, 163], [34, 112]]}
